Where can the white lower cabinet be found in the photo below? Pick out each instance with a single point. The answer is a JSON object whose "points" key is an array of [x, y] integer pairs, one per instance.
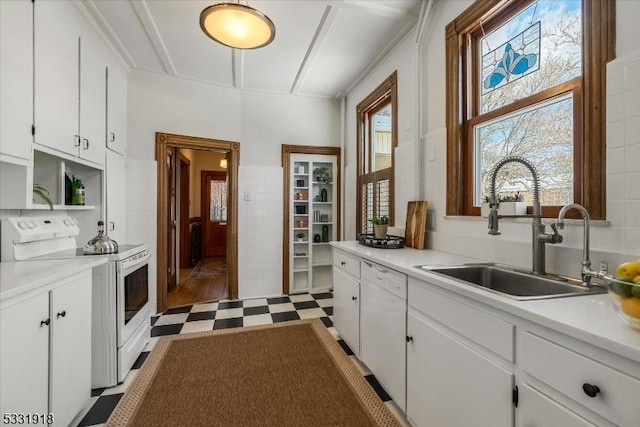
{"points": [[537, 410], [450, 384], [346, 300], [46, 351]]}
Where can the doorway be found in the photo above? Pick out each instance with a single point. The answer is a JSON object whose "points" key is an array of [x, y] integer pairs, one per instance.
{"points": [[176, 210]]}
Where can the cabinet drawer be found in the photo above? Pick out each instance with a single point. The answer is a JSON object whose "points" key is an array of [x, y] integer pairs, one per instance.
{"points": [[484, 329], [567, 372], [347, 263]]}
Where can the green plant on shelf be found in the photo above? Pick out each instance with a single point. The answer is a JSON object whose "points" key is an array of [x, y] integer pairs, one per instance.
{"points": [[42, 193], [517, 197]]}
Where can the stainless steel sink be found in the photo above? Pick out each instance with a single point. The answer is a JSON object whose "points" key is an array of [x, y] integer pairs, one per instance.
{"points": [[512, 283]]}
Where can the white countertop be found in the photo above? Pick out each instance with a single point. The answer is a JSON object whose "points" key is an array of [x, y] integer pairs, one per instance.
{"points": [[18, 277], [589, 318]]}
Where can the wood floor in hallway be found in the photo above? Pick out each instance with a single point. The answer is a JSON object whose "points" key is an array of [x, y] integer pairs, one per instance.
{"points": [[206, 282]]}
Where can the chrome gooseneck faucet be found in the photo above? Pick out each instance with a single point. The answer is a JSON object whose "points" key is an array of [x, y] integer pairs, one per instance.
{"points": [[585, 272], [539, 236]]}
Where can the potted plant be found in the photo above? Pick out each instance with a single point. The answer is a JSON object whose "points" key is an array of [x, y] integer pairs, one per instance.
{"points": [[380, 226], [42, 193], [322, 175], [300, 237], [507, 205]]}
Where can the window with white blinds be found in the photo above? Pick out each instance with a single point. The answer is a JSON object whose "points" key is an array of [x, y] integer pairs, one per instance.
{"points": [[377, 137]]}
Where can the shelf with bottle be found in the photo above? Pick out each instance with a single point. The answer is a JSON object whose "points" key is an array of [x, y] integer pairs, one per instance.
{"points": [[55, 178]]}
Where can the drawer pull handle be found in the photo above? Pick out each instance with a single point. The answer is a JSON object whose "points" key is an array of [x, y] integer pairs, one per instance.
{"points": [[62, 313], [409, 338], [590, 389], [343, 263], [354, 298], [45, 322]]}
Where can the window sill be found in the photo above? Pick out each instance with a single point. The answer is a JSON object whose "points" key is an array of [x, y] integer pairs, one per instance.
{"points": [[568, 221]]}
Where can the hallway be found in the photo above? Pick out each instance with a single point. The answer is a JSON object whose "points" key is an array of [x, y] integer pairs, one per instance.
{"points": [[206, 282]]}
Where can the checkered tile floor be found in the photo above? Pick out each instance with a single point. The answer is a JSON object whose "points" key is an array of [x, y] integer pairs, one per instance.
{"points": [[227, 314]]}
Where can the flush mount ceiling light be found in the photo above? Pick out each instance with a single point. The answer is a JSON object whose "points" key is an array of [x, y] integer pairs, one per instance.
{"points": [[237, 26]]}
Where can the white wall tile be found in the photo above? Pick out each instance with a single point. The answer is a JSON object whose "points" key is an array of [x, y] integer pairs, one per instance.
{"points": [[632, 158], [632, 103], [632, 131], [615, 187], [616, 213], [615, 134], [632, 186], [615, 108], [632, 213], [631, 76], [615, 161], [615, 79]]}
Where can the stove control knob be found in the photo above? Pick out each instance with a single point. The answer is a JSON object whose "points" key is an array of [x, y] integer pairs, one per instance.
{"points": [[68, 222], [31, 224], [22, 224], [75, 221]]}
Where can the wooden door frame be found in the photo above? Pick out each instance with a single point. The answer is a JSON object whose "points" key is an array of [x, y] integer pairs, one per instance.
{"points": [[232, 149], [184, 222], [203, 210], [287, 150]]}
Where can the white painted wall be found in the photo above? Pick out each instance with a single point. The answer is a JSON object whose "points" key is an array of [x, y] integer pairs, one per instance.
{"points": [[613, 240], [261, 123], [401, 59]]}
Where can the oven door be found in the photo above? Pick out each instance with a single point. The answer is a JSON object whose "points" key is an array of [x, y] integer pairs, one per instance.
{"points": [[133, 295]]}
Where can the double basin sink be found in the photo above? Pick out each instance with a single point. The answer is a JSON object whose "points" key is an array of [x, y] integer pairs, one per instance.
{"points": [[512, 283]]}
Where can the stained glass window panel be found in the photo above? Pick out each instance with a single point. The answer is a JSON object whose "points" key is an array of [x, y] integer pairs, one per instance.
{"points": [[538, 48]]}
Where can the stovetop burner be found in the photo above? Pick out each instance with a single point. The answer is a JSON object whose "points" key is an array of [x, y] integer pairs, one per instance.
{"points": [[389, 242]]}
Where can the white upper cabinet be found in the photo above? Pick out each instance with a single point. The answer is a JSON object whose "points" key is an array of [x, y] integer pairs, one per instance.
{"points": [[69, 83], [115, 196], [116, 106], [16, 76]]}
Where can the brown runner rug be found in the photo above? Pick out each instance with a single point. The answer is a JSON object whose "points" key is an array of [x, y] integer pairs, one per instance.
{"points": [[285, 374]]}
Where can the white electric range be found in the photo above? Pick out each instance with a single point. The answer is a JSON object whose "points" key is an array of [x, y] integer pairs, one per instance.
{"points": [[121, 309]]}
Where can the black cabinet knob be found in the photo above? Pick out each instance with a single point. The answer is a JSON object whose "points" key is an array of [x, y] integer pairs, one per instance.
{"points": [[590, 389], [409, 339], [343, 263], [354, 298], [62, 313], [45, 322]]}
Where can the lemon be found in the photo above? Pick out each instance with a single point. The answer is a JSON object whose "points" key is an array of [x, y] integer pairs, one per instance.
{"points": [[631, 307], [627, 270], [636, 279]]}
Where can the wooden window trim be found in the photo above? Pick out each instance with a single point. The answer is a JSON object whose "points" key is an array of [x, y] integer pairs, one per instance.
{"points": [[589, 167], [388, 89]]}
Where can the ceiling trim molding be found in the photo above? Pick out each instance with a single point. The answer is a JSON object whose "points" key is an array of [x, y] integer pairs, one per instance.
{"points": [[327, 20], [144, 15]]}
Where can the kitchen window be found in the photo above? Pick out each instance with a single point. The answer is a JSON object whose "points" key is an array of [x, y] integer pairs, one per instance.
{"points": [[377, 127], [527, 78]]}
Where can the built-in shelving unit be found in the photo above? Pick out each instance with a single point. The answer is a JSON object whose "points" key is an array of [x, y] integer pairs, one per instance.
{"points": [[312, 218]]}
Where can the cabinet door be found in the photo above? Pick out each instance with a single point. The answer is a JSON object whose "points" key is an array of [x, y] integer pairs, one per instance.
{"points": [[346, 308], [93, 92], [449, 384], [70, 348], [24, 356], [115, 180], [16, 79], [56, 41], [537, 410], [116, 107]]}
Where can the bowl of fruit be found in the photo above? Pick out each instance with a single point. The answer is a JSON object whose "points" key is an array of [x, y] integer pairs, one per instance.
{"points": [[624, 290]]}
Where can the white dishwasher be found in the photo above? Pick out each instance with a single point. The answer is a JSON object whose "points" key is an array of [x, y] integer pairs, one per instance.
{"points": [[383, 327]]}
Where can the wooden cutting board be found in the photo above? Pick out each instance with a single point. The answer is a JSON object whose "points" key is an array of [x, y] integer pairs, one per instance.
{"points": [[416, 225]]}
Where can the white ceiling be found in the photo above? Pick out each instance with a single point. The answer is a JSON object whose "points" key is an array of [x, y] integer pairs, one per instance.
{"points": [[321, 48]]}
